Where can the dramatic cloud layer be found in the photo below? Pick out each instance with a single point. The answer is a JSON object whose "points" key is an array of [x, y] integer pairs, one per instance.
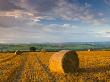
{"points": [[59, 20], [60, 9]]}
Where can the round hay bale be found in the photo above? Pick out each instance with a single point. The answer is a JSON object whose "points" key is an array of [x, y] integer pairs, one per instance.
{"points": [[89, 50], [65, 61], [43, 51], [17, 52]]}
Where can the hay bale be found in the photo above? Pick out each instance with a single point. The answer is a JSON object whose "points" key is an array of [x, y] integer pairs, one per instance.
{"points": [[17, 52], [43, 51], [65, 61], [89, 50]]}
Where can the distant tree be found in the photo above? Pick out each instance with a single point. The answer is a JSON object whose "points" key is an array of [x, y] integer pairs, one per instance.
{"points": [[32, 49]]}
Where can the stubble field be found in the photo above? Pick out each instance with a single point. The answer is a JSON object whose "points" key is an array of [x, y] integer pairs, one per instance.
{"points": [[34, 67]]}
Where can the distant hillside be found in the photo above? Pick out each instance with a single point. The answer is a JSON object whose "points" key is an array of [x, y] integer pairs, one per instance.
{"points": [[57, 46]]}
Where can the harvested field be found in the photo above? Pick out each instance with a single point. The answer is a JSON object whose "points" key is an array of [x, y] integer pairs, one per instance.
{"points": [[34, 67]]}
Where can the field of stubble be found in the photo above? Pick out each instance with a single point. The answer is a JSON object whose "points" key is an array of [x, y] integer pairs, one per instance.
{"points": [[33, 67]]}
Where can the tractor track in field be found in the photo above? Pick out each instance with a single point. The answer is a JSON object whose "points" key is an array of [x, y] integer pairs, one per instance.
{"points": [[29, 73], [22, 73], [17, 74], [47, 71]]}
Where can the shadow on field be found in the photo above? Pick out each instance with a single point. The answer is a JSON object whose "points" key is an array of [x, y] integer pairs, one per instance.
{"points": [[96, 69]]}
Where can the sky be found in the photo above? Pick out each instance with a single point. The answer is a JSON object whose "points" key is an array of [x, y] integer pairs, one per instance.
{"points": [[40, 21]]}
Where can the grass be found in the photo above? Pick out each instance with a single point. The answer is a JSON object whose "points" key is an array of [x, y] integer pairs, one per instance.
{"points": [[33, 67]]}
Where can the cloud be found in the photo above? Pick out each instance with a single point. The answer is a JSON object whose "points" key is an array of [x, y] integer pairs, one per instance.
{"points": [[63, 9], [39, 5], [28, 35], [17, 18], [39, 33], [21, 12], [107, 2], [5, 5], [19, 21], [6, 21], [74, 11], [51, 33]]}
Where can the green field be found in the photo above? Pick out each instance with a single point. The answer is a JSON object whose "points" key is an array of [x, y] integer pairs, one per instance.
{"points": [[57, 46]]}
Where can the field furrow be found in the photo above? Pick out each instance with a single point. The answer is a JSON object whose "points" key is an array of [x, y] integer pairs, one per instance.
{"points": [[17, 73], [7, 71], [28, 75], [46, 71]]}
